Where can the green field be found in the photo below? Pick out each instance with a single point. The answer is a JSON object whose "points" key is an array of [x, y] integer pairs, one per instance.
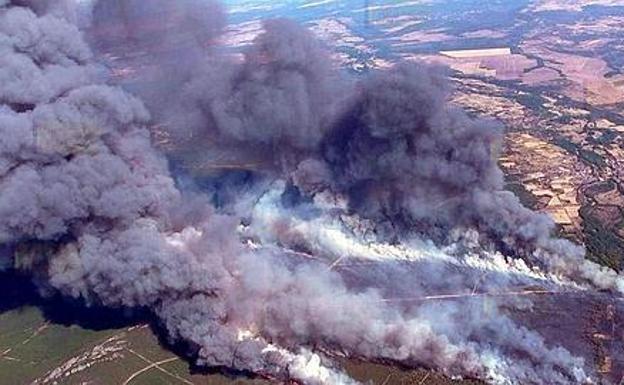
{"points": [[35, 350]]}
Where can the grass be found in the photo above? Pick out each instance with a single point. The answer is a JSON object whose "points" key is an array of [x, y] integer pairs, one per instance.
{"points": [[526, 198], [31, 346], [588, 156], [603, 245]]}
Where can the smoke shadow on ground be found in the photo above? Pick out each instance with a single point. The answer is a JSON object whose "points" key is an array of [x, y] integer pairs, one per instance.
{"points": [[19, 291]]}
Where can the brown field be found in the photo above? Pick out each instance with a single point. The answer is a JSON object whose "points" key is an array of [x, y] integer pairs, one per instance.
{"points": [[377, 374], [490, 63], [592, 332], [586, 75], [508, 67], [550, 174], [421, 37], [540, 75], [484, 33]]}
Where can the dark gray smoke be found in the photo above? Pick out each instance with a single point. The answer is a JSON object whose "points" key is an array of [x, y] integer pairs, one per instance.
{"points": [[281, 96], [377, 171], [156, 26], [406, 158], [164, 42], [409, 161]]}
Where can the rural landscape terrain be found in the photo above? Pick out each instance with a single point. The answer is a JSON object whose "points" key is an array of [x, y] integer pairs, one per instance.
{"points": [[550, 71]]}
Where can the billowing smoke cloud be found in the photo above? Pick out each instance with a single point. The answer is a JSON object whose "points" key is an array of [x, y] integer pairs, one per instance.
{"points": [[411, 162], [163, 41], [159, 25], [378, 171]]}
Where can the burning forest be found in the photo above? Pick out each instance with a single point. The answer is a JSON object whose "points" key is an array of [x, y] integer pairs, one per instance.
{"points": [[347, 216]]}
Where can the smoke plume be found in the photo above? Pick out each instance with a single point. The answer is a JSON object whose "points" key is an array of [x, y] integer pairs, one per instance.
{"points": [[272, 279]]}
